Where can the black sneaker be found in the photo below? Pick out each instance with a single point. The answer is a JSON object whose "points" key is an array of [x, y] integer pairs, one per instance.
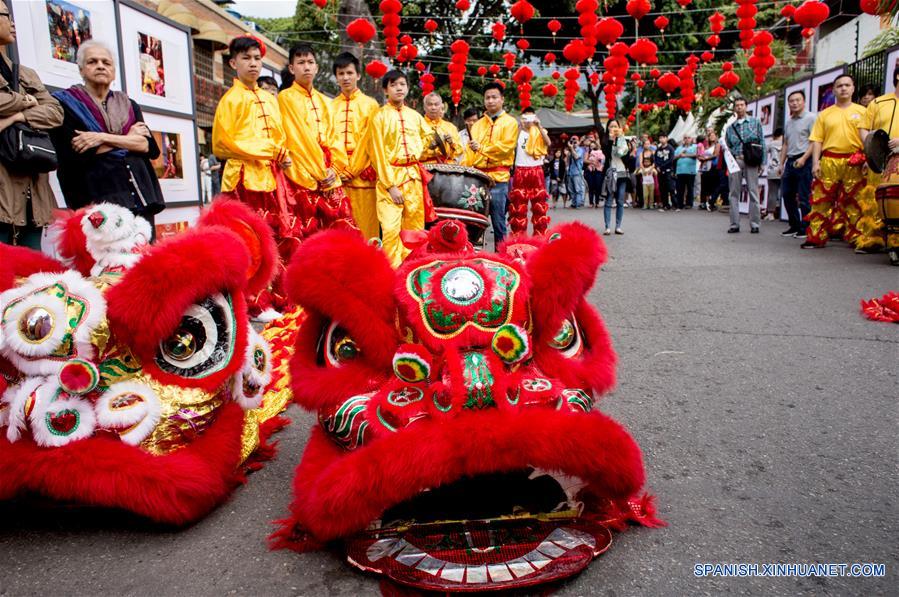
{"points": [[754, 230], [801, 234], [810, 245], [789, 232], [733, 229]]}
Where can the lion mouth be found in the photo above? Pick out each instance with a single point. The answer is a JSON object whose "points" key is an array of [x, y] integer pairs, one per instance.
{"points": [[491, 531]]}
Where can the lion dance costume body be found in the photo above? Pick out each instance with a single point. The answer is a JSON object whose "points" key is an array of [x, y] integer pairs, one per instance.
{"points": [[459, 444], [132, 379]]}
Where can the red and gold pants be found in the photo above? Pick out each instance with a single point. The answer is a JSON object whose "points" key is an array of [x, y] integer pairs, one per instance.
{"points": [[528, 187], [835, 193]]}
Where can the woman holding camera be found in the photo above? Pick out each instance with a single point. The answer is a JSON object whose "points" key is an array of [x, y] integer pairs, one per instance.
{"points": [[616, 149], [26, 201]]}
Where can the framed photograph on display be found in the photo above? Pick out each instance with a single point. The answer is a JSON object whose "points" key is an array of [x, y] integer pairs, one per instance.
{"points": [[155, 61], [805, 87], [765, 113], [822, 89], [177, 167], [892, 63], [750, 108], [51, 31]]}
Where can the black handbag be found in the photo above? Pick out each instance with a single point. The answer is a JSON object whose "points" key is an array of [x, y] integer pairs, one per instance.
{"points": [[24, 150], [752, 152]]}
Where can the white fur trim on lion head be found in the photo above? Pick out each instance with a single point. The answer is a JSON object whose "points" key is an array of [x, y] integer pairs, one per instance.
{"points": [[130, 409], [248, 385]]}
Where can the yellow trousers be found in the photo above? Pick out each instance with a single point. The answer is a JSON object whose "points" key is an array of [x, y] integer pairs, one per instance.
{"points": [[839, 185], [363, 201], [394, 218], [870, 224]]}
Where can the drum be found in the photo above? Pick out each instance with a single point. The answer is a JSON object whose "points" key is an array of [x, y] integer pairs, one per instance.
{"points": [[887, 195], [462, 193]]}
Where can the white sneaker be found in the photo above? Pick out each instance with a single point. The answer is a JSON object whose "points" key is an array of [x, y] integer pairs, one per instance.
{"points": [[268, 315], [607, 232]]}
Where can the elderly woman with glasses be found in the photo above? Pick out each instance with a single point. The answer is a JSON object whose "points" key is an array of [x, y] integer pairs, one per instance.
{"points": [[104, 146], [26, 201]]}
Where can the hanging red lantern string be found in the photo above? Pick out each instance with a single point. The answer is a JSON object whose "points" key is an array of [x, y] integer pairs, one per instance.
{"points": [[728, 79], [499, 32], [360, 31], [522, 77], [427, 83], [746, 21], [761, 59], [587, 19], [390, 21], [509, 60], [572, 87], [459, 50]]}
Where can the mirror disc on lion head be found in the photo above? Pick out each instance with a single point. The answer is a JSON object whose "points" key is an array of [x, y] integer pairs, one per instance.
{"points": [[486, 555]]}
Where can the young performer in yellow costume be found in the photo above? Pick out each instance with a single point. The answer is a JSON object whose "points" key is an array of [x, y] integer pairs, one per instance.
{"points": [[318, 157], [882, 113], [492, 151], [396, 142], [247, 131], [352, 112], [837, 166], [437, 126]]}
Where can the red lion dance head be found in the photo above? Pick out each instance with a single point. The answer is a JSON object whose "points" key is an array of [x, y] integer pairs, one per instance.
{"points": [[133, 380], [459, 444]]}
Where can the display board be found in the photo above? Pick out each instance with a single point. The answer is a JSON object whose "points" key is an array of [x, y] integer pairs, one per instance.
{"points": [[822, 89], [805, 86], [892, 63], [156, 72], [154, 67], [766, 113], [51, 31]]}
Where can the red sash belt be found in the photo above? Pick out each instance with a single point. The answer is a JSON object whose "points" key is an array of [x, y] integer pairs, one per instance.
{"points": [[835, 155]]}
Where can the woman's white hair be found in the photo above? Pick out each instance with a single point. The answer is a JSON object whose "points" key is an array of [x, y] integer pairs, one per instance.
{"points": [[90, 45]]}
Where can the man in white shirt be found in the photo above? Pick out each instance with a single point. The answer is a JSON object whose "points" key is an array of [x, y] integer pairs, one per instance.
{"points": [[528, 182]]}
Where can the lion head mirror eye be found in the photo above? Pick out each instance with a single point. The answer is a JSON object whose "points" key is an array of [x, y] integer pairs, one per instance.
{"points": [[36, 325], [337, 346], [203, 342]]}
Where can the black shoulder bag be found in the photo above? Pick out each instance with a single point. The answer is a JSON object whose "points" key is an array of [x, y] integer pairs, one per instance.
{"points": [[752, 152], [24, 150]]}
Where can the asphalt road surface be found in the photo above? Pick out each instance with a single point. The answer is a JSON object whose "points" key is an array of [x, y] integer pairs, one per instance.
{"points": [[765, 404]]}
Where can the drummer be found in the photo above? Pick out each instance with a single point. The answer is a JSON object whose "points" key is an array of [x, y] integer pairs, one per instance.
{"points": [[445, 145], [492, 150], [882, 114]]}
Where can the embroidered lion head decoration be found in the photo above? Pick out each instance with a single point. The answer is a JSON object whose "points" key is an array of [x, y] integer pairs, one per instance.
{"points": [[459, 445], [131, 379]]}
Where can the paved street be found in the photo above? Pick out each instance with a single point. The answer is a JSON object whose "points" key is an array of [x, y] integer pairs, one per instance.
{"points": [[765, 404]]}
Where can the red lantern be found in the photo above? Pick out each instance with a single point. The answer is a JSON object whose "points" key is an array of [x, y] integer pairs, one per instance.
{"points": [[641, 84], [360, 31], [463, 5], [549, 58], [430, 25], [713, 40], [655, 73], [661, 23], [523, 44], [376, 69], [608, 30], [788, 12], [321, 3], [550, 90], [644, 52], [718, 92], [494, 69], [522, 11], [728, 79], [571, 87], [482, 70], [554, 27], [684, 3], [811, 14], [716, 22], [420, 66], [459, 50], [509, 60], [706, 56], [638, 8], [808, 32], [499, 32], [556, 75], [668, 83], [576, 51]]}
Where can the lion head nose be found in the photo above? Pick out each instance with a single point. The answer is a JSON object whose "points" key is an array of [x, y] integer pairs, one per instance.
{"points": [[511, 343]]}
